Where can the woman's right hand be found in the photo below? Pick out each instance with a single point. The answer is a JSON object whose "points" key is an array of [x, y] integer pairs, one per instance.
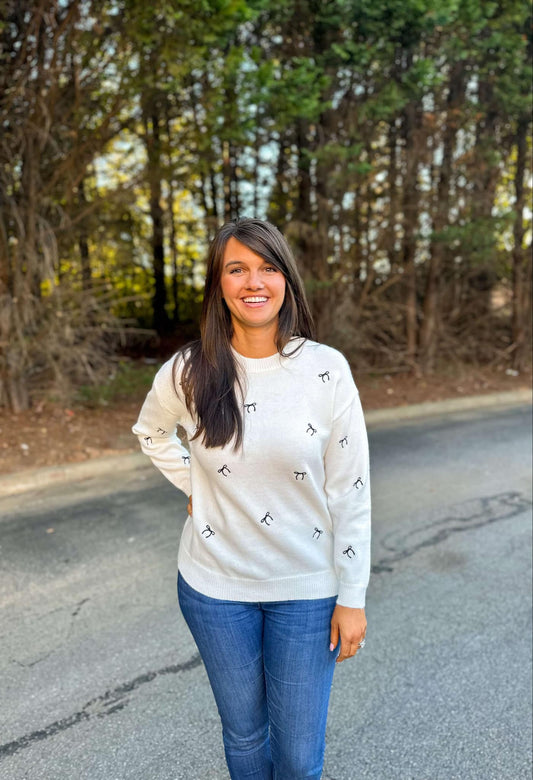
{"points": [[189, 507]]}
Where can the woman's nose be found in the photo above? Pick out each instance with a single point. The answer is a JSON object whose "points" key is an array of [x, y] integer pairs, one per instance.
{"points": [[254, 280]]}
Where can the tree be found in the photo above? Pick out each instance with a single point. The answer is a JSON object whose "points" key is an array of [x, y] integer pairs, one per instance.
{"points": [[378, 134], [56, 116]]}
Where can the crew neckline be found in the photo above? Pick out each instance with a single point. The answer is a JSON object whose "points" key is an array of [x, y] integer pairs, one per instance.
{"points": [[257, 365]]}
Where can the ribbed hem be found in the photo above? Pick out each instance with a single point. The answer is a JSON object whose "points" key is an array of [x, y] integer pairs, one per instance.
{"points": [[321, 585]]}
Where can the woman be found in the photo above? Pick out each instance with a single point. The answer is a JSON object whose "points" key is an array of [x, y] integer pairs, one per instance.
{"points": [[273, 561]]}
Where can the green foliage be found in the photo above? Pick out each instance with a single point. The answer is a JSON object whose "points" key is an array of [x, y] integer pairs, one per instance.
{"points": [[128, 380], [375, 131]]}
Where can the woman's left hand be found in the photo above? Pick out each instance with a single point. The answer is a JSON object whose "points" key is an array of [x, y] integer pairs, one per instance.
{"points": [[350, 624]]}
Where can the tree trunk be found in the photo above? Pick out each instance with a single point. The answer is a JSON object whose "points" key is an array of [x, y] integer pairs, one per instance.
{"points": [[520, 261], [303, 203], [235, 194], [392, 175], [428, 330], [83, 243], [257, 185], [278, 206], [410, 198], [309, 233], [226, 175], [487, 172], [172, 226], [153, 144], [174, 256]]}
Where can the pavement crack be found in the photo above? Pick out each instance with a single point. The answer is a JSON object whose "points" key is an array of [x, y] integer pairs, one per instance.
{"points": [[79, 606], [466, 516], [74, 615], [32, 663], [101, 706]]}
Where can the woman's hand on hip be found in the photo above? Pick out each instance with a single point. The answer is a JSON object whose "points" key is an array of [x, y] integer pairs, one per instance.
{"points": [[189, 507], [350, 624]]}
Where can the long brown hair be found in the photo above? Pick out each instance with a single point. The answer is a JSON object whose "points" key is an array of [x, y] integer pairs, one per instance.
{"points": [[210, 371]]}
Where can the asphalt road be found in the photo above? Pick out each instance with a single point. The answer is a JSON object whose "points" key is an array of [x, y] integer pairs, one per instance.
{"points": [[100, 678]]}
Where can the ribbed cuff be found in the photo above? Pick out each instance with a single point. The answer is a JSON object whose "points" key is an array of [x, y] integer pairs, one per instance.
{"points": [[351, 595]]}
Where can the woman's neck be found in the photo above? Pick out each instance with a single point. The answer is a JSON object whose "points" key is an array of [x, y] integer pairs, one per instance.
{"points": [[255, 343]]}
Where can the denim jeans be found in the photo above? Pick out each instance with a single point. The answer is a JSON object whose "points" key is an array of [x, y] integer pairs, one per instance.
{"points": [[271, 669]]}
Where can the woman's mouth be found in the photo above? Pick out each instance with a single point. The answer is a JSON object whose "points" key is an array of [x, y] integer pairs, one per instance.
{"points": [[254, 300]]}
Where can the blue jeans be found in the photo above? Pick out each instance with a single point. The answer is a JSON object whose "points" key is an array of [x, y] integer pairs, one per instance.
{"points": [[271, 669]]}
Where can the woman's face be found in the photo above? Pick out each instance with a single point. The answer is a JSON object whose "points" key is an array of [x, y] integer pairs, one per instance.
{"points": [[253, 289]]}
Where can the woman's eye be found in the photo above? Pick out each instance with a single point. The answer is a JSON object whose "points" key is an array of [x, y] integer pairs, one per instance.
{"points": [[235, 270], [271, 268]]}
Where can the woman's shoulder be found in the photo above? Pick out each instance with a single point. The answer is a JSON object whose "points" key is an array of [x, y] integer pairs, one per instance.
{"points": [[173, 368], [168, 379], [324, 356], [170, 369]]}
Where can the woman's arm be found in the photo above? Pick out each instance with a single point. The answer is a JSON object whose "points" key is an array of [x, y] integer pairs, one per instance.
{"points": [[348, 494], [347, 488], [162, 410]]}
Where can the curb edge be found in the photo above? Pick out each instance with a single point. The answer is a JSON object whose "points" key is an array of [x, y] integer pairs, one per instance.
{"points": [[24, 481]]}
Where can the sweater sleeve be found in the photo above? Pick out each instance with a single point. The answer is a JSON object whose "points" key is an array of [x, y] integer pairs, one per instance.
{"points": [[162, 410], [348, 493]]}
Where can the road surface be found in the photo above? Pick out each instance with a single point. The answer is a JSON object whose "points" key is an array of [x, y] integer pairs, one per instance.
{"points": [[100, 679]]}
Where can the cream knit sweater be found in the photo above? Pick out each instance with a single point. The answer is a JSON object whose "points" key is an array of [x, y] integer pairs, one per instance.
{"points": [[287, 516]]}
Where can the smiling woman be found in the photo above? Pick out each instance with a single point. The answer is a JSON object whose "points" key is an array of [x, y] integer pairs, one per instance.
{"points": [[274, 557]]}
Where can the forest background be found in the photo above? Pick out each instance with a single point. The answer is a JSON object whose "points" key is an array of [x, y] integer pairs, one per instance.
{"points": [[390, 140]]}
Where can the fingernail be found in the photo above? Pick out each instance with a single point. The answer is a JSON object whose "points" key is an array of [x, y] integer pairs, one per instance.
{"points": [[332, 646]]}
